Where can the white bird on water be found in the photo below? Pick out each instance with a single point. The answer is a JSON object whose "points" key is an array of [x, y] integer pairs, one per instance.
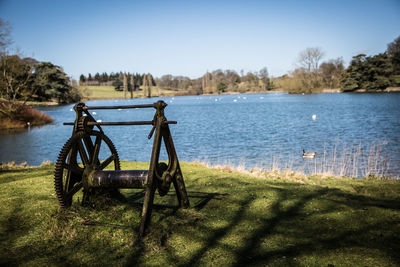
{"points": [[309, 155], [314, 117]]}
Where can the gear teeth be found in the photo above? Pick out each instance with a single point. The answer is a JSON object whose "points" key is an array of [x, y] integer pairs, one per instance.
{"points": [[59, 170]]}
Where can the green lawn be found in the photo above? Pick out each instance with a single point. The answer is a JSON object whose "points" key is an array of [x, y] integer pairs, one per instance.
{"points": [[234, 220], [108, 92]]}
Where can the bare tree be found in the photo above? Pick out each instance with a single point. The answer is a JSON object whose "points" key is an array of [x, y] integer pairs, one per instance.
{"points": [[264, 77], [5, 39], [149, 84], [15, 78], [125, 84], [133, 84], [309, 58], [332, 72], [393, 47]]}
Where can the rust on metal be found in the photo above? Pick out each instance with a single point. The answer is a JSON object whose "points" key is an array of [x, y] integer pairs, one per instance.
{"points": [[79, 167]]}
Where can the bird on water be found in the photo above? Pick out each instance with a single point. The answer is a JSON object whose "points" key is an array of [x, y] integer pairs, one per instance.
{"points": [[309, 155]]}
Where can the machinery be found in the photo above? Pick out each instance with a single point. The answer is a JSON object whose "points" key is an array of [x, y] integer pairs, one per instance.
{"points": [[80, 167]]}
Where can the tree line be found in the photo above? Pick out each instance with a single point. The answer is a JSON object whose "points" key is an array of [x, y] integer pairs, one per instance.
{"points": [[369, 73], [217, 81]]}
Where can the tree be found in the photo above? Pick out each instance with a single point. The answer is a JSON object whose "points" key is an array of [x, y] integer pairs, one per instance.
{"points": [[370, 73], [332, 72], [15, 78], [125, 84], [132, 85], [393, 47], [5, 38], [232, 79], [117, 84], [307, 77], [51, 82], [393, 51], [222, 87], [396, 63], [148, 82], [104, 77], [310, 57], [353, 76], [264, 77], [82, 79], [251, 79], [378, 72]]}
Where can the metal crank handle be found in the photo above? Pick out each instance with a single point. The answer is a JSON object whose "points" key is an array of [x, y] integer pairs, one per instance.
{"points": [[151, 132]]}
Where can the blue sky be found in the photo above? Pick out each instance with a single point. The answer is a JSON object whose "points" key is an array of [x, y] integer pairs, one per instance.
{"points": [[190, 37]]}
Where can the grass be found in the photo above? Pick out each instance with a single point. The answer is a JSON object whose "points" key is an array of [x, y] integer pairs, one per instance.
{"points": [[235, 219], [108, 92]]}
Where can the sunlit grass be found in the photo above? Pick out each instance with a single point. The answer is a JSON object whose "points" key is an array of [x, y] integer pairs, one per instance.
{"points": [[108, 92], [235, 219]]}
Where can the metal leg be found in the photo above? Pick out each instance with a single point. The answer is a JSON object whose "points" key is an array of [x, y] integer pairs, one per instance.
{"points": [[147, 207]]}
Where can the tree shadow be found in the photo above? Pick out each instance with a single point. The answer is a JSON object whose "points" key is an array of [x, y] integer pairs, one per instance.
{"points": [[293, 222]]}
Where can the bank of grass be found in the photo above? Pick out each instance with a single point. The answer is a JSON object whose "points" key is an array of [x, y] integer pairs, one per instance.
{"points": [[21, 116], [108, 92], [235, 219]]}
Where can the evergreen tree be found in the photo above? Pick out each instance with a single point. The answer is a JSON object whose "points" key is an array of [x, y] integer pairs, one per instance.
{"points": [[97, 77], [82, 78], [378, 73], [50, 82], [117, 85], [370, 73], [354, 75]]}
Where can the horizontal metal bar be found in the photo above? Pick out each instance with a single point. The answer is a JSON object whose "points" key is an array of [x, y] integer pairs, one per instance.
{"points": [[121, 123], [119, 107]]}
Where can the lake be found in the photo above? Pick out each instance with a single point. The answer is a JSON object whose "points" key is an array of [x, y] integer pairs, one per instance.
{"points": [[353, 134]]}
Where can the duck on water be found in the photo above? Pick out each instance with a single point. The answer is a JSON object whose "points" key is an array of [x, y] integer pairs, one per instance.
{"points": [[309, 155]]}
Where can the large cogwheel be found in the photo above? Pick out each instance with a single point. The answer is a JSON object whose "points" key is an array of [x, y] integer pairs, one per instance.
{"points": [[84, 150]]}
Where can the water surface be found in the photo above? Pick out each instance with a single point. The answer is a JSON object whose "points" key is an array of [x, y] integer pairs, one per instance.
{"points": [[249, 129]]}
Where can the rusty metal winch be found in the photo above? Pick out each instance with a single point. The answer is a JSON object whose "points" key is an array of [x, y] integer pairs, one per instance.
{"points": [[80, 165]]}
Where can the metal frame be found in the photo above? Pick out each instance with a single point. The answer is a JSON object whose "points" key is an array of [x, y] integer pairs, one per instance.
{"points": [[159, 176]]}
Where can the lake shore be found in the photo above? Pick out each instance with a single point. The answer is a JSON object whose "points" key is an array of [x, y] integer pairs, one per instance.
{"points": [[19, 116], [108, 92]]}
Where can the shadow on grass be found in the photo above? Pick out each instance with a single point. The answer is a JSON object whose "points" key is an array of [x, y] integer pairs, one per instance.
{"points": [[17, 247], [301, 230], [255, 224], [198, 199]]}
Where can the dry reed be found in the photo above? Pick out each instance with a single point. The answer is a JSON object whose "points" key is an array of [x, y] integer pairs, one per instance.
{"points": [[348, 160]]}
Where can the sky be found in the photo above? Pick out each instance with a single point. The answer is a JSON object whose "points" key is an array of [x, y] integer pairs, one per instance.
{"points": [[191, 37]]}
